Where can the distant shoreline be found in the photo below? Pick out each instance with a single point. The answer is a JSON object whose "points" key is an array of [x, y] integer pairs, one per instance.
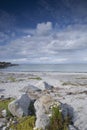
{"points": [[6, 64]]}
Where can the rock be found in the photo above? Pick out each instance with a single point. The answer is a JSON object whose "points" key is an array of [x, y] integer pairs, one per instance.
{"points": [[8, 124], [2, 96], [43, 103], [4, 113], [42, 122], [4, 128], [42, 107], [19, 107], [44, 85], [30, 88], [72, 127], [3, 121], [32, 91], [2, 124], [6, 64], [67, 111]]}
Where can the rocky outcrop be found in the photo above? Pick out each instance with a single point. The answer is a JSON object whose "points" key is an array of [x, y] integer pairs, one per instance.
{"points": [[43, 85], [42, 107], [30, 88], [32, 91], [19, 107], [6, 64]]}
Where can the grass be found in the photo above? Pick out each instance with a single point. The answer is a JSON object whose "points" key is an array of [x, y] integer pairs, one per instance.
{"points": [[12, 79], [81, 78], [4, 105], [25, 123], [36, 78], [73, 84], [69, 83], [57, 122]]}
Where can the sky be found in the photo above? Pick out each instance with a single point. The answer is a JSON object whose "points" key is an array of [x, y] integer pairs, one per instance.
{"points": [[43, 31]]}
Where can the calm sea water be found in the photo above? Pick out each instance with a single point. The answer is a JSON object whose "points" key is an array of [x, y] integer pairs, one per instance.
{"points": [[64, 68]]}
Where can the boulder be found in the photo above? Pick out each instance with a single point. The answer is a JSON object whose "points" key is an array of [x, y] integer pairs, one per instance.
{"points": [[42, 122], [4, 113], [42, 108], [19, 107], [32, 91], [30, 88], [67, 110], [44, 85]]}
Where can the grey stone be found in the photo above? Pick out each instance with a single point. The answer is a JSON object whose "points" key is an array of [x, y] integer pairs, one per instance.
{"points": [[19, 107], [4, 128], [42, 107], [4, 113], [30, 88], [44, 85], [3, 121], [42, 121], [71, 127], [67, 110]]}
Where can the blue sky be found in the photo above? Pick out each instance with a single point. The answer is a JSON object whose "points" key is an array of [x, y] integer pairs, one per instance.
{"points": [[43, 31]]}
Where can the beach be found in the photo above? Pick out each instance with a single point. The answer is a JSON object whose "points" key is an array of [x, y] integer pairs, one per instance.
{"points": [[69, 88]]}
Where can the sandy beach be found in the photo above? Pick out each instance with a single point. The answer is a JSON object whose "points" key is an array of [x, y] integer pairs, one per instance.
{"points": [[70, 88]]}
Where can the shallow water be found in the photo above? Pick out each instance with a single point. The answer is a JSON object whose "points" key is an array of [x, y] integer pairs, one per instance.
{"points": [[65, 68]]}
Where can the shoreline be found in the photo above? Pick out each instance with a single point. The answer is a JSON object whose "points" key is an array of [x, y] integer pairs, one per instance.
{"points": [[56, 72]]}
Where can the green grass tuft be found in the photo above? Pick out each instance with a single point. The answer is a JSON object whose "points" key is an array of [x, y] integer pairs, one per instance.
{"points": [[36, 78], [4, 105], [56, 121], [69, 83], [12, 79], [25, 123]]}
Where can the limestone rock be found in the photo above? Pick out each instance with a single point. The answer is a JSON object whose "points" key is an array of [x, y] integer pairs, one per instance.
{"points": [[32, 91], [4, 113], [44, 85], [42, 121], [3, 121], [4, 128], [71, 127], [30, 88], [67, 110], [19, 107], [42, 107]]}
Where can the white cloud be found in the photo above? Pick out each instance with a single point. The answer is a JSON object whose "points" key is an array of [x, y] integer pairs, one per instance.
{"points": [[44, 28], [68, 45], [21, 60]]}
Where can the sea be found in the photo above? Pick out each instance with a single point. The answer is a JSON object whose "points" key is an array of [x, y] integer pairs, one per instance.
{"points": [[61, 68]]}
